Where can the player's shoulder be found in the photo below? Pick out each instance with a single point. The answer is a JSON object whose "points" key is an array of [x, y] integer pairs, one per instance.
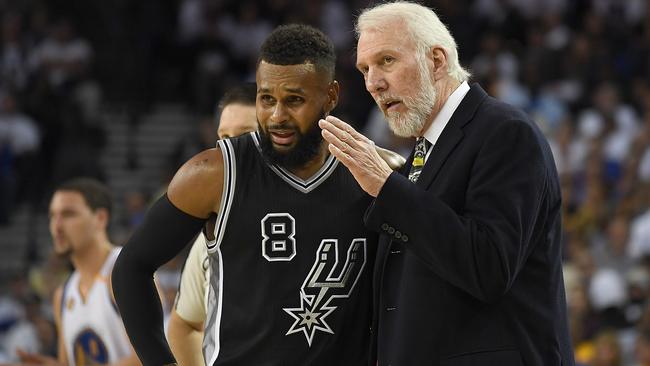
{"points": [[199, 173], [197, 182], [203, 162], [57, 298], [58, 293]]}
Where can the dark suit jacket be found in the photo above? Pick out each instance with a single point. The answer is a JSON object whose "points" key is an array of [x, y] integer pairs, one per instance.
{"points": [[468, 268]]}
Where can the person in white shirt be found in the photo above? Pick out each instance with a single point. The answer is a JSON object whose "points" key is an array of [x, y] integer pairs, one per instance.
{"points": [[89, 327]]}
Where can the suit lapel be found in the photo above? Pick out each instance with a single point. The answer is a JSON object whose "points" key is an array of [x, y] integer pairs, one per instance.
{"points": [[451, 135]]}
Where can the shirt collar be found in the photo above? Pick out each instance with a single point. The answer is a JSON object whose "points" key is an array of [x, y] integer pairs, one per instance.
{"points": [[442, 118]]}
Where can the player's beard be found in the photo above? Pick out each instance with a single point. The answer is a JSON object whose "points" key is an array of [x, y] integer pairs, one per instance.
{"points": [[419, 106], [307, 147]]}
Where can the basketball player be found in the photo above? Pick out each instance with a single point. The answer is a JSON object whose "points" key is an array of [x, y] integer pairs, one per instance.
{"points": [[236, 111], [290, 259], [89, 327], [185, 333]]}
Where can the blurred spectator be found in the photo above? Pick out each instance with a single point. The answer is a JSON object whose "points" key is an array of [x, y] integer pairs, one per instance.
{"points": [[640, 236], [63, 56], [14, 71], [11, 312], [608, 295], [251, 28], [610, 248], [65, 60], [607, 350], [34, 333], [642, 349], [19, 143], [336, 22]]}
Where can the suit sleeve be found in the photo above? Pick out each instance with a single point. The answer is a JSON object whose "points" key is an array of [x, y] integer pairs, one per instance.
{"points": [[480, 247]]}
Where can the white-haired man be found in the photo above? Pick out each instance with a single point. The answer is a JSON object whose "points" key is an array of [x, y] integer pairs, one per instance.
{"points": [[468, 269]]}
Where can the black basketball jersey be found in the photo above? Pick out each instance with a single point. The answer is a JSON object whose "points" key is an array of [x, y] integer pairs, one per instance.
{"points": [[291, 265]]}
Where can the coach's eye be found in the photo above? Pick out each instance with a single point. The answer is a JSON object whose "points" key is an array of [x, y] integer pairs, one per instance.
{"points": [[388, 60]]}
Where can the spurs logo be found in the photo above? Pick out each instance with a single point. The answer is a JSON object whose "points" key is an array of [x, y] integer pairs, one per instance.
{"points": [[326, 282]]}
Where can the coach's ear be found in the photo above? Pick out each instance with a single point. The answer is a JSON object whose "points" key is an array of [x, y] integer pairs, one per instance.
{"points": [[332, 96], [437, 62]]}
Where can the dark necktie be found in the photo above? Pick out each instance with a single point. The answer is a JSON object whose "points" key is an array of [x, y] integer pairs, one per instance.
{"points": [[421, 147]]}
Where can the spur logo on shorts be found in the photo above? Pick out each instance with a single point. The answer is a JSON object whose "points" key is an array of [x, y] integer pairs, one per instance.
{"points": [[326, 282]]}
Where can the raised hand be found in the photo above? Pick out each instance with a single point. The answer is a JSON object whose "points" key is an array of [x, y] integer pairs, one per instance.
{"points": [[357, 153]]}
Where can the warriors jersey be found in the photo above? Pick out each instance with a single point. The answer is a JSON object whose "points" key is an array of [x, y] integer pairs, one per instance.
{"points": [[92, 328], [291, 265]]}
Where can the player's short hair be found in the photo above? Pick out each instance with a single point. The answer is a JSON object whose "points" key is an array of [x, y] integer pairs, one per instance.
{"points": [[95, 193], [244, 93], [296, 44]]}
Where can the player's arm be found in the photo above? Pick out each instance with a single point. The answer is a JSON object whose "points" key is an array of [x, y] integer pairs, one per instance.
{"points": [[393, 159], [62, 353], [185, 332], [186, 339], [172, 222]]}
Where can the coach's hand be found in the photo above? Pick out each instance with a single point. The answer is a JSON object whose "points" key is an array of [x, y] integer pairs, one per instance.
{"points": [[357, 153]]}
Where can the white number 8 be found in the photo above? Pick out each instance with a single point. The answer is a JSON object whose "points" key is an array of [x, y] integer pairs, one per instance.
{"points": [[278, 243]]}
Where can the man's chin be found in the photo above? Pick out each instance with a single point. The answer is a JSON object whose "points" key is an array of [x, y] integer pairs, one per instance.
{"points": [[396, 125], [63, 252]]}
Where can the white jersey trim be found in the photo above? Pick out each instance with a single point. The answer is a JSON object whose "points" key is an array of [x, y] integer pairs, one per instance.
{"points": [[304, 186], [217, 321], [227, 195]]}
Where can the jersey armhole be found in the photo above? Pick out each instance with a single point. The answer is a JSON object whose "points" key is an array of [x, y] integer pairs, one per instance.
{"points": [[63, 293], [227, 194]]}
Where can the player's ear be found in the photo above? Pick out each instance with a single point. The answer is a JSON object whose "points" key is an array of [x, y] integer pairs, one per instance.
{"points": [[102, 216], [332, 96]]}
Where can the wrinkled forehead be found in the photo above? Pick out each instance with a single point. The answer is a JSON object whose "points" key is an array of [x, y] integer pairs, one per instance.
{"points": [[387, 27], [374, 41], [286, 77]]}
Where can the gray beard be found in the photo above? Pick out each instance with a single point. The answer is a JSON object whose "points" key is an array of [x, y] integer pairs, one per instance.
{"points": [[418, 107]]}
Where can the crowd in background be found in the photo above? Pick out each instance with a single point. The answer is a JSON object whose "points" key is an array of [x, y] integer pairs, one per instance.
{"points": [[581, 68]]}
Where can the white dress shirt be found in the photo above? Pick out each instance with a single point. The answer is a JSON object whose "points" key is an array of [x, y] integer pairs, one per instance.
{"points": [[435, 129]]}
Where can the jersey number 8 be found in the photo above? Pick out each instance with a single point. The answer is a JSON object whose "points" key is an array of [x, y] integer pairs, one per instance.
{"points": [[278, 243]]}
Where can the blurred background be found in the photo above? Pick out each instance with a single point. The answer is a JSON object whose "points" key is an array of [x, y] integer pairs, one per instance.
{"points": [[125, 91]]}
